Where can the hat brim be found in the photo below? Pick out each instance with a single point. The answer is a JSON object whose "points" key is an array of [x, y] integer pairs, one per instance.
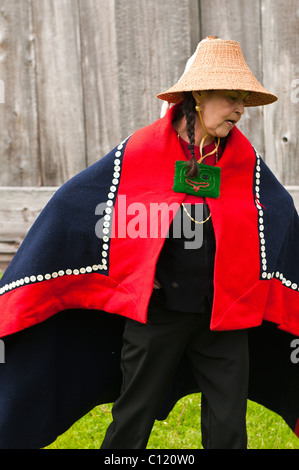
{"points": [[219, 65], [255, 98]]}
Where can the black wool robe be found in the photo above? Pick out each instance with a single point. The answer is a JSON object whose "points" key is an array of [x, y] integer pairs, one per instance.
{"points": [[89, 261]]}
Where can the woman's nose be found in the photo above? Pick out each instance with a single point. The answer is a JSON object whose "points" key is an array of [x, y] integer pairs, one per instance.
{"points": [[240, 107]]}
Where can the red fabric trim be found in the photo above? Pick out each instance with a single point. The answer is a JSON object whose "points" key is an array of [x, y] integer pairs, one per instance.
{"points": [[282, 307], [296, 430], [245, 312], [32, 304], [147, 177], [235, 220], [153, 151], [267, 300]]}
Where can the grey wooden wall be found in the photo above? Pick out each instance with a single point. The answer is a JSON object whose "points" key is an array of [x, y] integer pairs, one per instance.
{"points": [[78, 76]]}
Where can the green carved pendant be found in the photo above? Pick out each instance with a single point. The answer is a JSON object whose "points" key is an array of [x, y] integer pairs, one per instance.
{"points": [[206, 184]]}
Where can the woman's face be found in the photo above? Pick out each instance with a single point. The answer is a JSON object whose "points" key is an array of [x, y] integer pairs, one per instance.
{"points": [[221, 110]]}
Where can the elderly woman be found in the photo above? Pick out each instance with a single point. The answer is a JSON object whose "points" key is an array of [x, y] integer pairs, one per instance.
{"points": [[211, 254], [212, 96]]}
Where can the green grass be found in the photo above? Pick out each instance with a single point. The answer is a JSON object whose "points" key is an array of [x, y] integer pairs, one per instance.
{"points": [[181, 430]]}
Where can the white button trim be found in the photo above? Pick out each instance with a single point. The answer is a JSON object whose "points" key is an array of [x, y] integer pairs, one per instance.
{"points": [[266, 275], [55, 275], [110, 202], [105, 239]]}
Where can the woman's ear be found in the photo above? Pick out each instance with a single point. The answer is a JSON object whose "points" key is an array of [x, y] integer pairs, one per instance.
{"points": [[196, 96]]}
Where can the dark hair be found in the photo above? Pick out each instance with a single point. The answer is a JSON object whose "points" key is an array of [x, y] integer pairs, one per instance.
{"points": [[188, 109]]}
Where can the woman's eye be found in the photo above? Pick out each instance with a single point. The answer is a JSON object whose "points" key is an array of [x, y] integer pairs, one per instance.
{"points": [[234, 98]]}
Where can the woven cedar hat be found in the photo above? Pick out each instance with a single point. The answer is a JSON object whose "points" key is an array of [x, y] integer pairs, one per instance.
{"points": [[219, 64]]}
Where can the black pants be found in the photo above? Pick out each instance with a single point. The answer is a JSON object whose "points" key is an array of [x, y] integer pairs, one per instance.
{"points": [[150, 357]]}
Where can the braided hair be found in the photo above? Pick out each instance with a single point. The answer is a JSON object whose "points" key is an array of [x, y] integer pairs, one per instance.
{"points": [[188, 109]]}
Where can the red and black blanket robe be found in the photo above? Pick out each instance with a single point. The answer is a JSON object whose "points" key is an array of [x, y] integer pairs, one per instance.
{"points": [[89, 261]]}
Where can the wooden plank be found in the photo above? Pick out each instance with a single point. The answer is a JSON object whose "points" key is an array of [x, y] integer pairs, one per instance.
{"points": [[153, 45], [281, 73], [239, 20], [100, 77], [19, 208], [59, 87], [7, 252], [294, 192], [19, 153]]}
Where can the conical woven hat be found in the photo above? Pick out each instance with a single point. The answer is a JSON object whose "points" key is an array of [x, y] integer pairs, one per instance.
{"points": [[219, 64]]}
